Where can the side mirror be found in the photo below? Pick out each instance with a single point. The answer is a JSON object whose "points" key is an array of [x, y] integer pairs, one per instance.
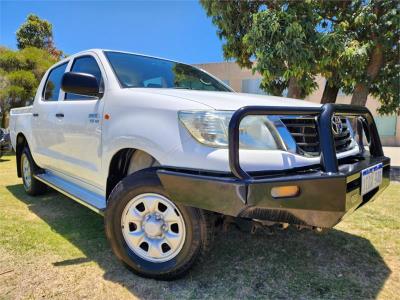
{"points": [[81, 84]]}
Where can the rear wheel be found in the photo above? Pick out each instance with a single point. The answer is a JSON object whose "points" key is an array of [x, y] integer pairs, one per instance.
{"points": [[151, 234], [32, 186]]}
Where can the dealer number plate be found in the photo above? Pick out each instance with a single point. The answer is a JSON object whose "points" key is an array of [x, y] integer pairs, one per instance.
{"points": [[371, 178]]}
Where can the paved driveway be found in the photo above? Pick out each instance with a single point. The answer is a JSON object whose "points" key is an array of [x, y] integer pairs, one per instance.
{"points": [[394, 154]]}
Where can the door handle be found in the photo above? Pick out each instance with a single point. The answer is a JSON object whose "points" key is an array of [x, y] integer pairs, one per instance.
{"points": [[35, 114], [60, 115]]}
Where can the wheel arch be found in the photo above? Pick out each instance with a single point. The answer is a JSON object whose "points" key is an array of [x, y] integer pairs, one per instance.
{"points": [[120, 166]]}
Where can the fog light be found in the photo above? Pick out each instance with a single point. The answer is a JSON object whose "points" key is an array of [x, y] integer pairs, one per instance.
{"points": [[285, 191]]}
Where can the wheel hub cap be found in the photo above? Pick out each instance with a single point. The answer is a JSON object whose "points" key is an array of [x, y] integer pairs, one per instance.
{"points": [[26, 172], [153, 228]]}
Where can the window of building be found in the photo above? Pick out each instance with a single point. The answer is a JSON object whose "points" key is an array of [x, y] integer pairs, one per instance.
{"points": [[386, 125], [85, 64], [53, 83], [252, 86], [226, 81]]}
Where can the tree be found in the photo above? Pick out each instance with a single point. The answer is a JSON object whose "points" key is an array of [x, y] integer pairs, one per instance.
{"points": [[386, 87], [353, 44], [22, 70], [233, 20], [20, 74], [3, 95], [364, 49], [332, 43], [279, 39], [21, 86], [285, 52], [37, 33], [377, 28]]}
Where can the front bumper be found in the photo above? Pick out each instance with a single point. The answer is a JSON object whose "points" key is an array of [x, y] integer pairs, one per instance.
{"points": [[328, 192], [323, 201]]}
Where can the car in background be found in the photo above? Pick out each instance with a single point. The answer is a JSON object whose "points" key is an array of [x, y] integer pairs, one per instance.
{"points": [[5, 145]]}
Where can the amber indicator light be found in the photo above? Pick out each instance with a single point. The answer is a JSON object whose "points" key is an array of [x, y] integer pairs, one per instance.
{"points": [[286, 191]]}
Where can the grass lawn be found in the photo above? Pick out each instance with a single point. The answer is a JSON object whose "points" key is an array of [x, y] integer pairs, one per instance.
{"points": [[51, 247]]}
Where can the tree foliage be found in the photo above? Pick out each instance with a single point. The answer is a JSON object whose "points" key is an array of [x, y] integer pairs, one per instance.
{"points": [[233, 20], [353, 44], [20, 74], [282, 64], [377, 29], [22, 70], [37, 33], [367, 52]]}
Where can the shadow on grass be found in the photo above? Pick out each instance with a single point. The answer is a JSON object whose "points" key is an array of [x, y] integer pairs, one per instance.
{"points": [[5, 156], [289, 264]]}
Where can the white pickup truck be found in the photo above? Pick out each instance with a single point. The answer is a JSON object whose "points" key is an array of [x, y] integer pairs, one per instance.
{"points": [[162, 149]]}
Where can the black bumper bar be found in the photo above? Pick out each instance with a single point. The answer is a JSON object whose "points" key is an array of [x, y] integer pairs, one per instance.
{"points": [[327, 192]]}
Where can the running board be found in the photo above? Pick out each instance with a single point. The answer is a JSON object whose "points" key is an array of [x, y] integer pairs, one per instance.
{"points": [[87, 198]]}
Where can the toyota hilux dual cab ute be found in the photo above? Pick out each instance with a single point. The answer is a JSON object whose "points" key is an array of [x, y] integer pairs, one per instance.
{"points": [[163, 149]]}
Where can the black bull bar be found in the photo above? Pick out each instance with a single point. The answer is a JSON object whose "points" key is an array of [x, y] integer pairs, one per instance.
{"points": [[328, 191]]}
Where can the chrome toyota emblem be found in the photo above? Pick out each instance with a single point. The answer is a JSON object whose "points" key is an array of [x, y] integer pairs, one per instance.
{"points": [[337, 126]]}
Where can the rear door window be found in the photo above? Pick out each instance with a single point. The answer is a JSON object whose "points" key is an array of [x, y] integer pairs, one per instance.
{"points": [[53, 83]]}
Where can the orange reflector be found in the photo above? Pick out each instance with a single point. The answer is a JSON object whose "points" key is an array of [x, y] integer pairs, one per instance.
{"points": [[285, 191]]}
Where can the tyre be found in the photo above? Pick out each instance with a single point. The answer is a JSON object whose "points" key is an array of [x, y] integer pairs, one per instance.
{"points": [[151, 234], [32, 186]]}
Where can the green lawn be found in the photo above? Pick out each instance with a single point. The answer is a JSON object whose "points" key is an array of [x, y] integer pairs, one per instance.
{"points": [[51, 247]]}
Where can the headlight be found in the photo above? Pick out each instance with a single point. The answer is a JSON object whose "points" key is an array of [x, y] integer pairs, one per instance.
{"points": [[211, 128]]}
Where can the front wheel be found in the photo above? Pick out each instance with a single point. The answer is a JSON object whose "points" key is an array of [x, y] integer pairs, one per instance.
{"points": [[151, 234]]}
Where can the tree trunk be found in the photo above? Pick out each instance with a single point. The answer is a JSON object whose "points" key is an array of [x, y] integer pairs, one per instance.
{"points": [[360, 94], [294, 91], [330, 93], [361, 89], [3, 120]]}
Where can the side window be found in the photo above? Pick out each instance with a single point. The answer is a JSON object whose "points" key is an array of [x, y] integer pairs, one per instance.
{"points": [[53, 83], [85, 64]]}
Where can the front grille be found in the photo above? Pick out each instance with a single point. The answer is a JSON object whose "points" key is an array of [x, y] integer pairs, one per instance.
{"points": [[305, 133]]}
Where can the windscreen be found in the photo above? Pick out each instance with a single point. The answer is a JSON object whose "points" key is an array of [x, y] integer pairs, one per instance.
{"points": [[136, 71]]}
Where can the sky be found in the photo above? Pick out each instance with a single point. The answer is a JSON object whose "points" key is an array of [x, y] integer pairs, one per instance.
{"points": [[178, 30]]}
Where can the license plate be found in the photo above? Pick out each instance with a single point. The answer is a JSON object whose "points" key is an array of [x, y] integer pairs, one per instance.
{"points": [[371, 178]]}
